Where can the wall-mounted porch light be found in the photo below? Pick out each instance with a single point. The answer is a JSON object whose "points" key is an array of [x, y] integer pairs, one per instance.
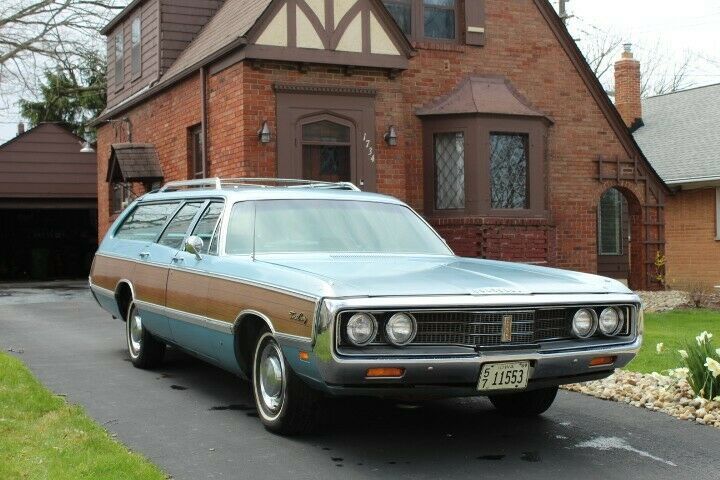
{"points": [[264, 132], [391, 136]]}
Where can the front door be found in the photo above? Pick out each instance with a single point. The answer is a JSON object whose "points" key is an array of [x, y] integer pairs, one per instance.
{"points": [[327, 137], [325, 148]]}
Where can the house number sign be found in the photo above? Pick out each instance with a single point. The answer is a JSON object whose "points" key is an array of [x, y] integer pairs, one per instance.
{"points": [[368, 147]]}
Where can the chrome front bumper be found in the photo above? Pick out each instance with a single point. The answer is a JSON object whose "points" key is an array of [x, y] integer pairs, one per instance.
{"points": [[454, 375]]}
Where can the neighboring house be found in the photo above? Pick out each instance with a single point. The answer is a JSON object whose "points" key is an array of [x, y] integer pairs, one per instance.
{"points": [[48, 205], [680, 134], [481, 114]]}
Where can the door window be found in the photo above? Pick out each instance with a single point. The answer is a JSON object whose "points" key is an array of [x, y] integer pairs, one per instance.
{"points": [[239, 238], [207, 227], [326, 151], [610, 223], [174, 234], [146, 221]]}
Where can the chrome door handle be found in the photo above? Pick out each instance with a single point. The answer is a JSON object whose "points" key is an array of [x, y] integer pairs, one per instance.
{"points": [[177, 260], [144, 255]]}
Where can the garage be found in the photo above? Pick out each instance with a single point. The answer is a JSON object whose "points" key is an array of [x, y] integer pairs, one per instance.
{"points": [[48, 205]]}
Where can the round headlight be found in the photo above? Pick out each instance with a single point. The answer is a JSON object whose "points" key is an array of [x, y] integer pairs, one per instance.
{"points": [[401, 329], [584, 323], [361, 329], [611, 321]]}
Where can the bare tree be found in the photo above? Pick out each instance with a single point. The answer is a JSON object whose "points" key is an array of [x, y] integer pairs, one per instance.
{"points": [[36, 34]]}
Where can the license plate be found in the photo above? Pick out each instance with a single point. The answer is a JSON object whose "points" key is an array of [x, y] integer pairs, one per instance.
{"points": [[504, 376]]}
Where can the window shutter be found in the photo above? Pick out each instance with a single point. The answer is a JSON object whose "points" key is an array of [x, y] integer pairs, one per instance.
{"points": [[475, 22]]}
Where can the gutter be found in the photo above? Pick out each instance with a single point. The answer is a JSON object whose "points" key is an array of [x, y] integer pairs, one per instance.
{"points": [[168, 82]]}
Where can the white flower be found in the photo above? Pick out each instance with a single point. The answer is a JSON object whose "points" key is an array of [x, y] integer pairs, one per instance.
{"points": [[660, 347], [679, 373], [703, 338], [684, 353], [713, 365]]}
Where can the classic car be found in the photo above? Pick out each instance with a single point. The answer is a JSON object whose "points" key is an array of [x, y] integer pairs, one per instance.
{"points": [[309, 289]]}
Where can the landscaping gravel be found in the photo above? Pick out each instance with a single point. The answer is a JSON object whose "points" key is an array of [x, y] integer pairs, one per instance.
{"points": [[665, 300], [655, 392]]}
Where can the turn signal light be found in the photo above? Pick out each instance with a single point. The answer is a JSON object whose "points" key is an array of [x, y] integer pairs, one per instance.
{"points": [[601, 361], [391, 372], [304, 356]]}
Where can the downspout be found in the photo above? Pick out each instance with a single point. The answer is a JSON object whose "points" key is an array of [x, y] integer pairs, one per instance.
{"points": [[203, 118]]}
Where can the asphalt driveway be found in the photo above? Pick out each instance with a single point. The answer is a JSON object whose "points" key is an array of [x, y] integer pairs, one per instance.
{"points": [[196, 421]]}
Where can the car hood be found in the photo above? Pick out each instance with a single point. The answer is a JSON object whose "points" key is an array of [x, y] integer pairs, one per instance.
{"points": [[390, 275]]}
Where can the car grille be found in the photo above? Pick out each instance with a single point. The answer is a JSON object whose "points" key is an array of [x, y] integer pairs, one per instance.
{"points": [[484, 329]]}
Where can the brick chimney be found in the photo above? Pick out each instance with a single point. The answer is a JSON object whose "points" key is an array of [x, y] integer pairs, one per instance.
{"points": [[627, 87], [21, 128]]}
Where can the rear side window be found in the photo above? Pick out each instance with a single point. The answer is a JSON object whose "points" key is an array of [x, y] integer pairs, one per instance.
{"points": [[207, 226], [174, 234], [146, 221]]}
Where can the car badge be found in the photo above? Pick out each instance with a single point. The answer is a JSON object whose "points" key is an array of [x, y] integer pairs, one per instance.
{"points": [[506, 328]]}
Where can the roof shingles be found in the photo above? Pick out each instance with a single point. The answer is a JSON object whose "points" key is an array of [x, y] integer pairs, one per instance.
{"points": [[681, 134]]}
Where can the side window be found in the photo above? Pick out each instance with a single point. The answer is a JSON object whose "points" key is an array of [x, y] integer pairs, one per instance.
{"points": [[239, 239], [207, 226], [174, 234], [146, 221]]}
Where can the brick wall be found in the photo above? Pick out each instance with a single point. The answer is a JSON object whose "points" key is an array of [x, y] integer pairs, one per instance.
{"points": [[520, 46], [692, 253]]}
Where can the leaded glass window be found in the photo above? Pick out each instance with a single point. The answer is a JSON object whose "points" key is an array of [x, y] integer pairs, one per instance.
{"points": [[439, 19], [449, 152], [610, 223], [508, 171], [401, 11]]}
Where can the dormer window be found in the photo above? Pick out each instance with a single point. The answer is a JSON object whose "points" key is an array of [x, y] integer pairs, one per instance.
{"points": [[425, 20], [119, 60]]}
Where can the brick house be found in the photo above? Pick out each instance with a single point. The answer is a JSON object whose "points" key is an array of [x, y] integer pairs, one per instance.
{"points": [[679, 133], [481, 114]]}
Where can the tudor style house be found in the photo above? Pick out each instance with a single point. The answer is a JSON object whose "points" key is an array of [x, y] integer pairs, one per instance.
{"points": [[481, 114]]}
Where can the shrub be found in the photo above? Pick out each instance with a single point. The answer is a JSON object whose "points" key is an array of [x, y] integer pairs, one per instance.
{"points": [[703, 364]]}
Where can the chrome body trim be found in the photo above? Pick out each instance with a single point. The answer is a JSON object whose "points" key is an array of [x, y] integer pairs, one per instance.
{"points": [[199, 320]]}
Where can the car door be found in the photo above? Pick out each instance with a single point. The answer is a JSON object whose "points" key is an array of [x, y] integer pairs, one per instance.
{"points": [[149, 276], [188, 285]]}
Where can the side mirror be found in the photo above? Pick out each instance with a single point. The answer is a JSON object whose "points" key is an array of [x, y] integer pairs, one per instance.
{"points": [[194, 245]]}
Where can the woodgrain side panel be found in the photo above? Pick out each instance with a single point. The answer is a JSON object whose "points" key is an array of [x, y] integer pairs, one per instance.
{"points": [[106, 272], [149, 282], [227, 299], [187, 292]]}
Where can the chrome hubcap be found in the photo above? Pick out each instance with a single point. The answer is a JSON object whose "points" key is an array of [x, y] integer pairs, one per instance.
{"points": [[135, 333], [271, 377]]}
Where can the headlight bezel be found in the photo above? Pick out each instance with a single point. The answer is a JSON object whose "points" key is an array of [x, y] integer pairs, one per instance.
{"points": [[370, 339], [389, 336], [594, 324]]}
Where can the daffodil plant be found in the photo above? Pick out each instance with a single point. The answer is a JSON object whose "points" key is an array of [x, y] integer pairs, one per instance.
{"points": [[703, 366]]}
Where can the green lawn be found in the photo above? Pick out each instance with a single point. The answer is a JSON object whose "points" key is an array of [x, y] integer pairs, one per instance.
{"points": [[674, 329], [43, 437]]}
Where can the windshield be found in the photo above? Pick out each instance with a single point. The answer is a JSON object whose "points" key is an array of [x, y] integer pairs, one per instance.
{"points": [[330, 226]]}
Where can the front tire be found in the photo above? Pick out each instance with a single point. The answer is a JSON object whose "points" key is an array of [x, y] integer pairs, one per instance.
{"points": [[145, 351], [525, 404], [285, 404]]}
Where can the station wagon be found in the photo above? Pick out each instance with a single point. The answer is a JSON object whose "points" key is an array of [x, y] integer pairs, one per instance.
{"points": [[311, 289]]}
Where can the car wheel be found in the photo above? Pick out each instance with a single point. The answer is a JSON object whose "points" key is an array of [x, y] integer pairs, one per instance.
{"points": [[285, 404], [525, 404], [145, 351]]}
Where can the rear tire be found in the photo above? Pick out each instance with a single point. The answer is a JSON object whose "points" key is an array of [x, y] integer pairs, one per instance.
{"points": [[525, 404], [145, 351], [285, 404]]}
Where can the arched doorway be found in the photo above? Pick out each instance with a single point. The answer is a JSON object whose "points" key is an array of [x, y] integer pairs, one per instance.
{"points": [[619, 237]]}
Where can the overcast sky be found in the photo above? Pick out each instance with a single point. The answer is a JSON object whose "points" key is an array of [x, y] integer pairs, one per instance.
{"points": [[679, 25]]}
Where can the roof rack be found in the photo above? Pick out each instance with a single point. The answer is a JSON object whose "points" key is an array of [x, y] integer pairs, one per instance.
{"points": [[220, 183]]}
